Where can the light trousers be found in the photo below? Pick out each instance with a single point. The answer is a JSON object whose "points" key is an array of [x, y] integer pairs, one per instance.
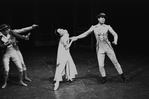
{"points": [[21, 60], [11, 54], [105, 48]]}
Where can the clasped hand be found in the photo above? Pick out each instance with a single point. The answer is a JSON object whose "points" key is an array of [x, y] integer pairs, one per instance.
{"points": [[34, 25], [27, 36]]}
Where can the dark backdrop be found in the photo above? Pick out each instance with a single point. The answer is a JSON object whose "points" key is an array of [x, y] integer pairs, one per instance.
{"points": [[129, 18]]}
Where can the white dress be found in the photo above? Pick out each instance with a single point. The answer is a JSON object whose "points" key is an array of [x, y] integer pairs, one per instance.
{"points": [[64, 65]]}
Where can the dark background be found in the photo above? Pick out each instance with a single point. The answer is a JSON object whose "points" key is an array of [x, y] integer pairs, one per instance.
{"points": [[128, 18]]}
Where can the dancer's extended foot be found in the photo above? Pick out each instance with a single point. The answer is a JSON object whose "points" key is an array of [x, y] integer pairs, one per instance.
{"points": [[56, 85], [22, 83], [27, 79], [4, 86]]}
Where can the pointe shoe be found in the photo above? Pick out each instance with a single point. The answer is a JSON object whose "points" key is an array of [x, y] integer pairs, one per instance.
{"points": [[4, 86], [27, 79], [56, 85], [23, 84]]}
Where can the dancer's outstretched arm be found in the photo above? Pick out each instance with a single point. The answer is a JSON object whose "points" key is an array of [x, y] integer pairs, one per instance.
{"points": [[83, 34], [26, 29]]}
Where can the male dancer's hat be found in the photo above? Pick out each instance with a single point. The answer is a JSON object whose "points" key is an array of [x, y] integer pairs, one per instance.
{"points": [[4, 26], [101, 15]]}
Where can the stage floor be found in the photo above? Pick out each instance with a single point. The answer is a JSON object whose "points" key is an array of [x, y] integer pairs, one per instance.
{"points": [[87, 85]]}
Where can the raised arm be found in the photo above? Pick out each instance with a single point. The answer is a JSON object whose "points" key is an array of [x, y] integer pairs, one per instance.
{"points": [[114, 34], [25, 29], [85, 33], [21, 36]]}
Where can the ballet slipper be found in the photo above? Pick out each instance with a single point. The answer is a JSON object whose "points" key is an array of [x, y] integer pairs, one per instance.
{"points": [[4, 85], [22, 83], [27, 79], [56, 85]]}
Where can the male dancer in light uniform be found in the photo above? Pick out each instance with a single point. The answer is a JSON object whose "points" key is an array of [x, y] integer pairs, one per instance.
{"points": [[8, 42], [103, 45]]}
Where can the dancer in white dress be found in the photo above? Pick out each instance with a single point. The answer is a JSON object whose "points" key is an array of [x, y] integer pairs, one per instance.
{"points": [[65, 65]]}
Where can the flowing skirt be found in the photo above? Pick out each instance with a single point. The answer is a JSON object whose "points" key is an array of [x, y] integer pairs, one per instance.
{"points": [[65, 66]]}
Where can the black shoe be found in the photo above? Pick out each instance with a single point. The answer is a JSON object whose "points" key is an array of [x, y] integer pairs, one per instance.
{"points": [[123, 78], [69, 81], [66, 80], [104, 80]]}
